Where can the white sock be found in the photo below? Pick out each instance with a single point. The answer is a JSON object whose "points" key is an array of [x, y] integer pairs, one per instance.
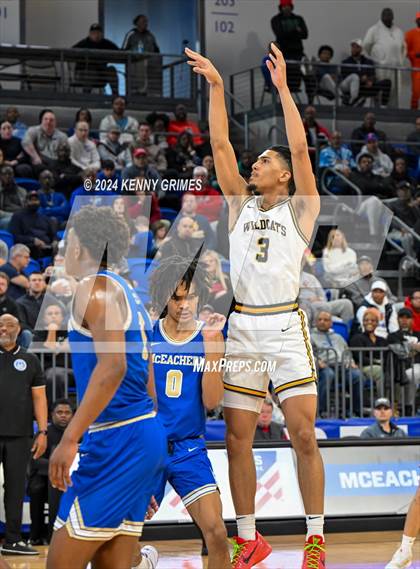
{"points": [[407, 543], [246, 527], [314, 525]]}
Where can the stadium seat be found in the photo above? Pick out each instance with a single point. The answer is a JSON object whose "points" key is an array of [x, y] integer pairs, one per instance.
{"points": [[28, 183], [168, 213], [32, 267], [45, 262], [7, 237], [342, 329]]}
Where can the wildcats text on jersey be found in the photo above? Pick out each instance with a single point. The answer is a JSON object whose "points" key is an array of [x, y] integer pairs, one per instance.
{"points": [[265, 224]]}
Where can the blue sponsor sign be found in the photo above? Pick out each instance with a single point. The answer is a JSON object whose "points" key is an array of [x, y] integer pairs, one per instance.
{"points": [[371, 479]]}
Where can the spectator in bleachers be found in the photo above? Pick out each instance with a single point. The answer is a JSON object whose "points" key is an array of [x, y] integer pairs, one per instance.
{"points": [[367, 127], [326, 74], [4, 252], [289, 31], [414, 137], [183, 243], [377, 298], [7, 304], [359, 79], [182, 158], [209, 200], [144, 204], [13, 153], [382, 163], [141, 168], [31, 303], [202, 225], [110, 172], [413, 303], [358, 289], [370, 363], [86, 195], [406, 208], [221, 294], [204, 148], [159, 123], [400, 174], [337, 155], [19, 257], [67, 175], [155, 153], [111, 148], [384, 43], [90, 72], [142, 243], [383, 426], [160, 231], [313, 128], [53, 336], [181, 124], [205, 312], [12, 116], [82, 115], [369, 183], [267, 429], [22, 397], [412, 40], [312, 299], [331, 347], [208, 163], [245, 162], [120, 208], [338, 260], [405, 344], [53, 204], [41, 141], [83, 151], [128, 125], [140, 39], [34, 229], [12, 196], [39, 489]]}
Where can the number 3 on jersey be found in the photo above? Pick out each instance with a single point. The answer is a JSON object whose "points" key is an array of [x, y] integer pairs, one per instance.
{"points": [[262, 255], [173, 383]]}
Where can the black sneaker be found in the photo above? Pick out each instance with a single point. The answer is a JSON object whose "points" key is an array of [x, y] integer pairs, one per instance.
{"points": [[18, 548]]}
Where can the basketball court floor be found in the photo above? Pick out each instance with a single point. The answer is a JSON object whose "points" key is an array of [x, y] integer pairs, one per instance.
{"points": [[370, 550]]}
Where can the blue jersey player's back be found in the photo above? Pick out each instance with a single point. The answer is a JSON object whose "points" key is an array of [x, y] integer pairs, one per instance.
{"points": [[131, 398], [178, 368]]}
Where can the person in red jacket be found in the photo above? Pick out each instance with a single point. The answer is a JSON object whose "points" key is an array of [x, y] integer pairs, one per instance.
{"points": [[209, 200], [412, 39], [182, 123], [140, 206], [413, 303]]}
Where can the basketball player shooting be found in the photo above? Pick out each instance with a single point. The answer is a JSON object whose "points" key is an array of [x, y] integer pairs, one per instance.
{"points": [[268, 235]]}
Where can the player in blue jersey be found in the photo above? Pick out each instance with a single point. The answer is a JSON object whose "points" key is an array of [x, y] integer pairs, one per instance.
{"points": [[105, 500], [188, 377]]}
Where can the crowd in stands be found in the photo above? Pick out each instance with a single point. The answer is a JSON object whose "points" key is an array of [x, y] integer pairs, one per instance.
{"points": [[369, 71]]}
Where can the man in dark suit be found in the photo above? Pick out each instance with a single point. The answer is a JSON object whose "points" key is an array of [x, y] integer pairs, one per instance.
{"points": [[266, 429]]}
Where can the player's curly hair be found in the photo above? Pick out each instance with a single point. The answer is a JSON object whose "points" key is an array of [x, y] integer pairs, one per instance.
{"points": [[172, 272], [98, 228]]}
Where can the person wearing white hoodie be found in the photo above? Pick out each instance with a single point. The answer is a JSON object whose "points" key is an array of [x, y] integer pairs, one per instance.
{"points": [[378, 298]]}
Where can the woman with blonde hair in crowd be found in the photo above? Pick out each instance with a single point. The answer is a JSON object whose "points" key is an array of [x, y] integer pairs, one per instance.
{"points": [[339, 260]]}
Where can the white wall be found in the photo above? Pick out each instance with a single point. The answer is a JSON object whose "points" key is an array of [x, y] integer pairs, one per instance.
{"points": [[59, 23], [9, 21], [334, 22]]}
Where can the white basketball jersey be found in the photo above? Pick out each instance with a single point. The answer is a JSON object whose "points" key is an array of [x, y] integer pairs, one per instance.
{"points": [[266, 249]]}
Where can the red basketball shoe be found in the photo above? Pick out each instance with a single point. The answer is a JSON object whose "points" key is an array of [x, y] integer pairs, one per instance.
{"points": [[314, 553], [246, 554]]}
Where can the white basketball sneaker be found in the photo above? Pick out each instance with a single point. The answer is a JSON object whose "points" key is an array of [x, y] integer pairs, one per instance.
{"points": [[149, 558], [401, 560]]}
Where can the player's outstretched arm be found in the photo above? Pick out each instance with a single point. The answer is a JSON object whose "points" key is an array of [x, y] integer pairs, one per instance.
{"points": [[214, 346], [306, 199], [103, 308], [228, 177]]}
